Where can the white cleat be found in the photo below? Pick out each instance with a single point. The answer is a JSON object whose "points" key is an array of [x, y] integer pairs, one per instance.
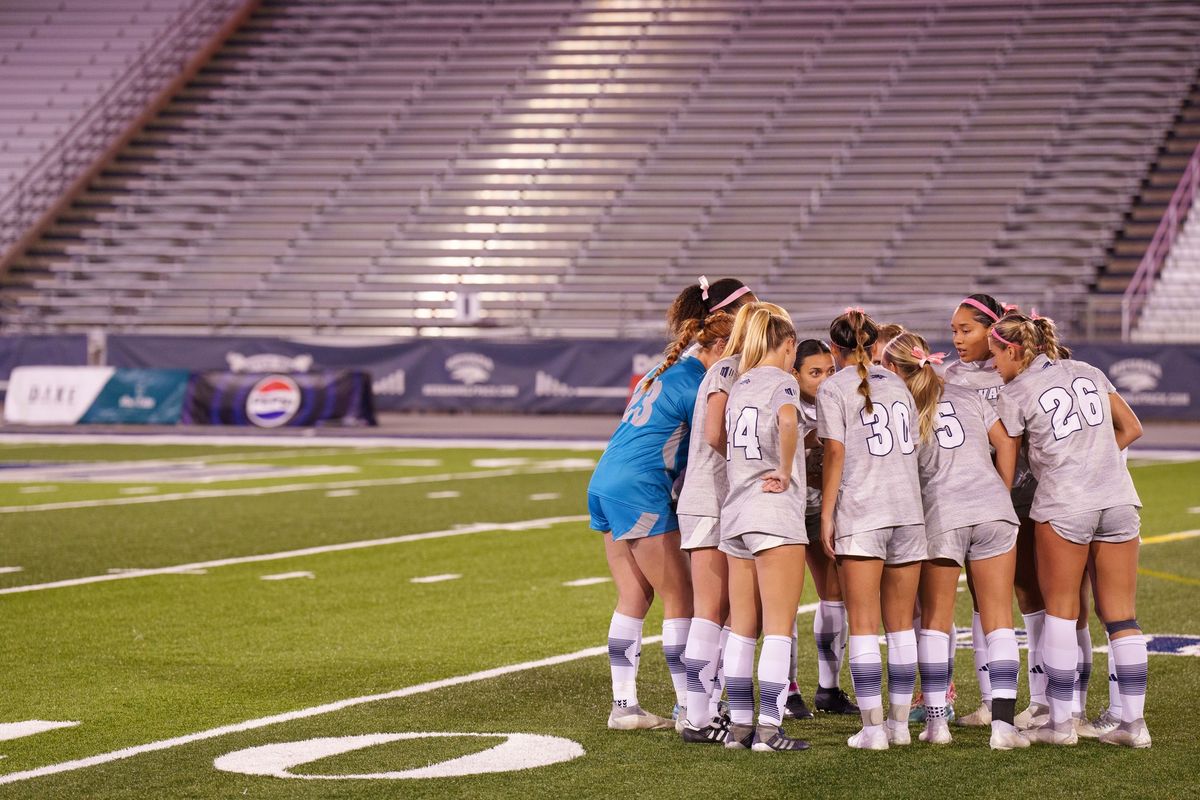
{"points": [[637, 719], [1007, 737], [1063, 734], [979, 718], [1096, 728], [679, 715], [897, 733], [1129, 734], [1036, 716], [872, 737], [937, 731]]}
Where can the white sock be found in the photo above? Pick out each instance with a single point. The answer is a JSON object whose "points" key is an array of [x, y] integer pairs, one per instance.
{"points": [[1114, 688], [1129, 655], [828, 632], [674, 642], [1060, 660], [866, 673], [773, 664], [739, 678], [935, 673], [979, 648], [1004, 662], [901, 672], [1034, 625], [1083, 672], [624, 654], [718, 689], [794, 664], [700, 660]]}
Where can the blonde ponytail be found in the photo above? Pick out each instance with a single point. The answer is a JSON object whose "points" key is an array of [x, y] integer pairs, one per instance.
{"points": [[909, 353], [737, 337], [764, 333]]}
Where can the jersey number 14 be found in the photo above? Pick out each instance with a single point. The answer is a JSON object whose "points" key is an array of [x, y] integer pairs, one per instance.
{"points": [[743, 433]]}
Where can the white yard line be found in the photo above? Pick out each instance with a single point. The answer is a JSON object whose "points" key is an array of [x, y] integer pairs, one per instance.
{"points": [[466, 530], [449, 576], [204, 438], [587, 582], [286, 576], [256, 491]]}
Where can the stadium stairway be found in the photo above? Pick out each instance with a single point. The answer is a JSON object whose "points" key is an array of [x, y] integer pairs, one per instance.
{"points": [[368, 167]]}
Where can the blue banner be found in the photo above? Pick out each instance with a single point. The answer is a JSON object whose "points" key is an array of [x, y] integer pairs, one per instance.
{"points": [[140, 396]]}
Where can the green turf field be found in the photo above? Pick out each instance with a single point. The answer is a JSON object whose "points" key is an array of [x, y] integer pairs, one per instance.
{"points": [[184, 603]]}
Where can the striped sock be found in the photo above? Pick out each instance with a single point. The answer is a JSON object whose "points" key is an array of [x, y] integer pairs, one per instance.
{"points": [[773, 664], [739, 678], [902, 673], [866, 673], [718, 688], [624, 654], [1060, 660], [700, 660], [1004, 662], [935, 673], [674, 642], [979, 649], [1129, 654], [1035, 624], [1083, 673], [828, 625]]}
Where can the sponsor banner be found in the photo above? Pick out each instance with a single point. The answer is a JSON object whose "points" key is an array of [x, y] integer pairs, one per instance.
{"points": [[53, 395], [140, 396], [32, 351], [275, 400]]}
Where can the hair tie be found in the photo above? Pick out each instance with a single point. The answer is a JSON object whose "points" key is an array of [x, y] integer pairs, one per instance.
{"points": [[1001, 339], [742, 291], [1033, 314], [1008, 307], [703, 288], [971, 301], [928, 358]]}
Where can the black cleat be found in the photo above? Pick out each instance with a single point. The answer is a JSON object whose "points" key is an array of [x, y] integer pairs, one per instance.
{"points": [[716, 732], [795, 708], [770, 739], [834, 701]]}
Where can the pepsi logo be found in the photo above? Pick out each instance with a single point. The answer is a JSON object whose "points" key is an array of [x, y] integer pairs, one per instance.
{"points": [[273, 401]]}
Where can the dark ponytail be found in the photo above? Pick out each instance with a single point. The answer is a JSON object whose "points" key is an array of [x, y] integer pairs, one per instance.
{"points": [[855, 332]]}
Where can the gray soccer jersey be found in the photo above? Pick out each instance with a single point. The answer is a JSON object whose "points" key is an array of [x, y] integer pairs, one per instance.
{"points": [[752, 429], [705, 484], [978, 375], [1065, 409], [959, 483], [880, 487], [808, 412]]}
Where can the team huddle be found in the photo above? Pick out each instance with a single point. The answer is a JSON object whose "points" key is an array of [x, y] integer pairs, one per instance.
{"points": [[746, 455]]}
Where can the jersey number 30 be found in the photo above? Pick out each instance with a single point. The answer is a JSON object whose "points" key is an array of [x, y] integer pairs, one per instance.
{"points": [[1058, 403], [882, 441]]}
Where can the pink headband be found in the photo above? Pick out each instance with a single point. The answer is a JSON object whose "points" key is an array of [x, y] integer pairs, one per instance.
{"points": [[1002, 339], [970, 301], [730, 299], [928, 358]]}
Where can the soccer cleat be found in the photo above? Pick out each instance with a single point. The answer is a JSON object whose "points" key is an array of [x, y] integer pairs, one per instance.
{"points": [[740, 737], [872, 737], [834, 701], [1035, 716], [979, 718], [937, 731], [679, 714], [917, 712], [713, 733], [795, 708], [897, 733], [770, 739], [1096, 728], [636, 719], [1007, 737], [1063, 734], [1129, 734]]}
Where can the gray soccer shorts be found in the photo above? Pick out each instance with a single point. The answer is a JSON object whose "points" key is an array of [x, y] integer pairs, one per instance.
{"points": [[974, 542], [1112, 525], [899, 545]]}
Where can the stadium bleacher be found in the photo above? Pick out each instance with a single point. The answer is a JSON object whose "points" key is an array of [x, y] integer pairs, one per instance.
{"points": [[363, 166]]}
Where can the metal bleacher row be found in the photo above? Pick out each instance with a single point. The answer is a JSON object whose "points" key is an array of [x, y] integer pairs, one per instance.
{"points": [[361, 166]]}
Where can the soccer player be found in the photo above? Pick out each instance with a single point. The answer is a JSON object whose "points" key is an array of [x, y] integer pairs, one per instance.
{"points": [[630, 496], [872, 522], [968, 515], [1086, 506], [704, 488], [762, 529], [814, 363]]}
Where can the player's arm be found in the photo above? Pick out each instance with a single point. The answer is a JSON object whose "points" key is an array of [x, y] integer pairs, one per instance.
{"points": [[789, 437], [1125, 422], [1006, 452], [714, 421]]}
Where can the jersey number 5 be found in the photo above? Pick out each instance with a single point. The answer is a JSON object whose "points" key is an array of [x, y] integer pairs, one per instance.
{"points": [[1059, 404], [881, 441], [743, 433]]}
